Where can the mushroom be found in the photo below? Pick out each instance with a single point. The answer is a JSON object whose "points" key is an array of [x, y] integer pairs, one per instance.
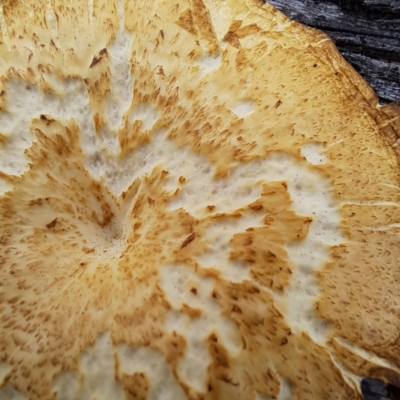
{"points": [[199, 200]]}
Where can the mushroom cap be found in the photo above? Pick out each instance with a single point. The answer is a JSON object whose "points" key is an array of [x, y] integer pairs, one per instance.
{"points": [[199, 200]]}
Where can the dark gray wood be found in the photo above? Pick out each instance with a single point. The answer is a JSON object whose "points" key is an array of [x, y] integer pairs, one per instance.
{"points": [[374, 389], [386, 5], [383, 77], [330, 16], [371, 46], [379, 5], [367, 32]]}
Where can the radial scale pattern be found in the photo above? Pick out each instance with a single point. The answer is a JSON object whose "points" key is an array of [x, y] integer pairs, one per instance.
{"points": [[199, 200]]}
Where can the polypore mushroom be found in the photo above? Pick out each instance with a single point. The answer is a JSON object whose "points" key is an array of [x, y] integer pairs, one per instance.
{"points": [[200, 200]]}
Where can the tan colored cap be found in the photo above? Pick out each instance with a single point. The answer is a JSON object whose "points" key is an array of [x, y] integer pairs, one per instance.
{"points": [[199, 200]]}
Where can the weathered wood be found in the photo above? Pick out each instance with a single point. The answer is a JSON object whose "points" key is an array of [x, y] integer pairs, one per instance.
{"points": [[371, 46], [374, 389], [385, 5], [383, 77], [379, 5], [327, 15], [367, 32]]}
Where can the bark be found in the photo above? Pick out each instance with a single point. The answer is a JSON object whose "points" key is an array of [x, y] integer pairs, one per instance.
{"points": [[367, 32]]}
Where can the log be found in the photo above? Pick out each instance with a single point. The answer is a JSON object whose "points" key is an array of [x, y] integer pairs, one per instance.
{"points": [[374, 389], [367, 32]]}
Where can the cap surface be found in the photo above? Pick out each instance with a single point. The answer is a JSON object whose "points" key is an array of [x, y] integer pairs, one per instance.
{"points": [[199, 200]]}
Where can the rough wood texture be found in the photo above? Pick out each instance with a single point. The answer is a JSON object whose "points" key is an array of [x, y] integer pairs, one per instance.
{"points": [[367, 32]]}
